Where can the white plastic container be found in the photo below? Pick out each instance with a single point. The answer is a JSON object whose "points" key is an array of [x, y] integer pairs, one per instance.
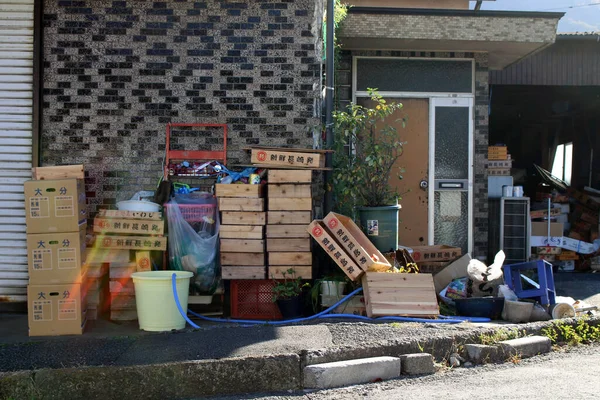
{"points": [[332, 288], [154, 299], [138, 205], [562, 310]]}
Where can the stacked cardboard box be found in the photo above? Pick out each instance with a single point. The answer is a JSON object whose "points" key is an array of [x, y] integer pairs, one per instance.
{"points": [[242, 236], [123, 236], [56, 217], [499, 161], [290, 212]]}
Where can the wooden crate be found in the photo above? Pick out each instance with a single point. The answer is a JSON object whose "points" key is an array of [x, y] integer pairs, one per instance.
{"points": [[246, 259], [58, 172], [290, 258], [399, 294], [276, 272], [132, 242], [243, 272], [290, 204], [241, 232], [301, 158], [356, 243], [153, 216], [289, 217], [289, 176], [288, 244], [134, 226], [243, 218], [241, 204], [241, 190], [334, 250], [289, 190], [287, 231], [242, 246]]}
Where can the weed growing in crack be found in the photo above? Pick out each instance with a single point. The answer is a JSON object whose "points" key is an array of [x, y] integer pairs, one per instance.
{"points": [[500, 335], [572, 335]]}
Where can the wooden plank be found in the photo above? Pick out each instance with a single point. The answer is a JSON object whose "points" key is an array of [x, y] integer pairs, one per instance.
{"points": [[241, 190], [134, 226], [285, 157], [334, 250], [280, 190], [290, 149], [248, 259], [242, 246], [290, 204], [243, 272], [276, 272], [132, 242], [289, 217], [241, 204], [288, 244], [58, 172], [292, 258], [289, 176], [287, 231], [290, 167], [241, 232], [243, 218]]}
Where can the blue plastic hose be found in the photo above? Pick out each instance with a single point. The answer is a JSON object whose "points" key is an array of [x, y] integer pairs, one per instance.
{"points": [[322, 314]]}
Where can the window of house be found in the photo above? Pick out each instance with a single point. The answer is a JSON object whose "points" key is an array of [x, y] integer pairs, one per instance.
{"points": [[563, 162]]}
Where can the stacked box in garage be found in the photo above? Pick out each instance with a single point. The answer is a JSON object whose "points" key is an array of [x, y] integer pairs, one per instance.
{"points": [[133, 235], [242, 241], [289, 214], [56, 218]]}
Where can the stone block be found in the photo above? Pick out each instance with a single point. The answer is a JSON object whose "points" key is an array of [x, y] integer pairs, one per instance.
{"points": [[417, 364], [481, 353], [527, 346], [351, 372]]}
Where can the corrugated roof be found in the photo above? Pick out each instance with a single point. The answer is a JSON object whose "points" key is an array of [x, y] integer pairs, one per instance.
{"points": [[578, 35]]}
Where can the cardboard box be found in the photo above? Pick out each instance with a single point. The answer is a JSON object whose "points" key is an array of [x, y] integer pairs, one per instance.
{"points": [[541, 229], [432, 267], [435, 253], [356, 243], [458, 269], [499, 171], [317, 230], [55, 309], [132, 242], [55, 205], [143, 261], [56, 257], [547, 250], [134, 226], [564, 242], [544, 213]]}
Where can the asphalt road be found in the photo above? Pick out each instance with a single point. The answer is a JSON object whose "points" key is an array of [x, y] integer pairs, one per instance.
{"points": [[558, 375]]}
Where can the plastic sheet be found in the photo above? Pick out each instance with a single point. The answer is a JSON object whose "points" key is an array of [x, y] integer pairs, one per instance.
{"points": [[194, 246]]}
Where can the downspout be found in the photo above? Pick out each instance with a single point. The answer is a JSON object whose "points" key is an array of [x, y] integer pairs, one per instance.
{"points": [[478, 5], [329, 92]]}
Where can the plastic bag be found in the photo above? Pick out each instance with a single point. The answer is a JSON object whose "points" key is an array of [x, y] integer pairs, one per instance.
{"points": [[193, 246]]}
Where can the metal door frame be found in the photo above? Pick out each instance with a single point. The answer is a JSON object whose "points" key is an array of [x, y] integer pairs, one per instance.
{"points": [[449, 102]]}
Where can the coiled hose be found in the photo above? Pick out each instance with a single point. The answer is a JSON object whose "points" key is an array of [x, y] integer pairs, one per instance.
{"points": [[323, 314]]}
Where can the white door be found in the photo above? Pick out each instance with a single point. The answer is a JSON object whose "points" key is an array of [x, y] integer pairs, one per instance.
{"points": [[451, 172], [16, 120]]}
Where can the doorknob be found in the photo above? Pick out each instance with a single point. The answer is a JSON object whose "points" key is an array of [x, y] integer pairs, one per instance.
{"points": [[424, 184]]}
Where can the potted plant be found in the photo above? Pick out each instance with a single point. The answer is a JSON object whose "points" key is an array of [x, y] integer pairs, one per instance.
{"points": [[366, 148], [287, 294]]}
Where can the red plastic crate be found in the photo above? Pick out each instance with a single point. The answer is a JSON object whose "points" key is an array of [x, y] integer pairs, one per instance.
{"points": [[195, 212], [252, 299]]}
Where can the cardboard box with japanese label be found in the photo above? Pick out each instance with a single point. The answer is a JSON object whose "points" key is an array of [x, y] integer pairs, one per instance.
{"points": [[55, 309], [133, 226], [56, 257], [435, 253], [55, 205]]}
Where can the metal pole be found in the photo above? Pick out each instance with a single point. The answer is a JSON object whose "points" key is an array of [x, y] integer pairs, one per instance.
{"points": [[329, 92]]}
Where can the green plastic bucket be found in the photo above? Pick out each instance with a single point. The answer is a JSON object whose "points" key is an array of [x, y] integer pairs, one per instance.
{"points": [[154, 299], [380, 224]]}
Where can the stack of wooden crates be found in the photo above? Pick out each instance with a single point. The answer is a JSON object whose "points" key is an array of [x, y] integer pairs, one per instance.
{"points": [[289, 213], [242, 231], [119, 234], [56, 218]]}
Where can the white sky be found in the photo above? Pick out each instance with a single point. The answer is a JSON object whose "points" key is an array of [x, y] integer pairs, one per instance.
{"points": [[581, 15]]}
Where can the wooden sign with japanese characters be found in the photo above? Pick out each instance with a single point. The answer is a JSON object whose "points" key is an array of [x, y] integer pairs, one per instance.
{"points": [[135, 226], [287, 158], [317, 230], [132, 242]]}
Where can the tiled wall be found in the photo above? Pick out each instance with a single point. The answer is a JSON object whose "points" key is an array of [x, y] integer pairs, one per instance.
{"points": [[116, 72], [480, 186]]}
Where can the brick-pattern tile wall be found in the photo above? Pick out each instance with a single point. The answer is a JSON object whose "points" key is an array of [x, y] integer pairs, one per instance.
{"points": [[116, 72], [480, 186]]}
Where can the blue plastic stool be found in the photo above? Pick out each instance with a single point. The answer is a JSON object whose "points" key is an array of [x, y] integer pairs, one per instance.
{"points": [[543, 290]]}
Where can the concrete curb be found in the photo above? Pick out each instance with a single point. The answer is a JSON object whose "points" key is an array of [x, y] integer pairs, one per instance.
{"points": [[526, 347], [351, 372], [253, 374]]}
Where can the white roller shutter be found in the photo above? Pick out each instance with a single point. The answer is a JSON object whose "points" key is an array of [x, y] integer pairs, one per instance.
{"points": [[16, 133]]}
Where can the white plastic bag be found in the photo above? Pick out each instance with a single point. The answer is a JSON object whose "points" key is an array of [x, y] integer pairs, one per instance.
{"points": [[194, 248]]}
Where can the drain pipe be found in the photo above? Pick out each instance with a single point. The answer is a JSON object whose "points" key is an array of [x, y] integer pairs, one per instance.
{"points": [[329, 93]]}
